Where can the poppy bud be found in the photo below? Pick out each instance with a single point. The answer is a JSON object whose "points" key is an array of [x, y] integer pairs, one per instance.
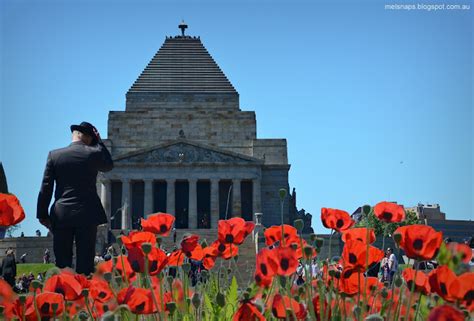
{"points": [[196, 300], [204, 243], [105, 307], [332, 273], [283, 281], [158, 241], [312, 236], [107, 277], [397, 237], [289, 311], [188, 301], [246, 296], [85, 293], [123, 250], [108, 316], [119, 241], [236, 258], [398, 281], [298, 224], [229, 271], [1, 310], [294, 246], [356, 311], [366, 209], [384, 293], [146, 247], [319, 242], [118, 280], [282, 193], [171, 307], [308, 252], [35, 284], [220, 299], [186, 267], [301, 290], [83, 315]]}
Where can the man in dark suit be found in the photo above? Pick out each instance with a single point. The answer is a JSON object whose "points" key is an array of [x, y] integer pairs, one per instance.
{"points": [[77, 209]]}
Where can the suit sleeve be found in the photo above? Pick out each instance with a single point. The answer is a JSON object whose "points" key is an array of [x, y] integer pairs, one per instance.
{"points": [[103, 159], [46, 191]]}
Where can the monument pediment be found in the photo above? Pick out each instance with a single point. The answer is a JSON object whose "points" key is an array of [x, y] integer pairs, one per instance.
{"points": [[185, 152]]}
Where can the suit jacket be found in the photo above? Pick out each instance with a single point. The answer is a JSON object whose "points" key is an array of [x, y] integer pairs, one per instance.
{"points": [[74, 170], [8, 266]]}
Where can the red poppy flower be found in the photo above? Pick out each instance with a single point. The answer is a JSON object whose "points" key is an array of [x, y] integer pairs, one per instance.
{"points": [[281, 304], [284, 259], [354, 255], [389, 212], [349, 282], [460, 248], [24, 311], [160, 223], [248, 312], [446, 313], [421, 283], [466, 293], [139, 300], [11, 211], [265, 268], [157, 260], [317, 306], [226, 251], [65, 284], [420, 242], [196, 254], [210, 254], [337, 220], [99, 290], [45, 301], [122, 266], [6, 292], [189, 242], [273, 235], [234, 230], [444, 282], [137, 238], [360, 234], [176, 258]]}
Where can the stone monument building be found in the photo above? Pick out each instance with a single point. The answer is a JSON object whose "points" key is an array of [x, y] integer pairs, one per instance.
{"points": [[184, 146]]}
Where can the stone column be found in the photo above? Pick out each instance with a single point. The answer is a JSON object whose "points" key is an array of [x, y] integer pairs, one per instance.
{"points": [[192, 218], [148, 199], [214, 203], [126, 200], [105, 197], [236, 200], [257, 197], [170, 196]]}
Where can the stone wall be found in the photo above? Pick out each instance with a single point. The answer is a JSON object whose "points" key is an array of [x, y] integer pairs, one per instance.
{"points": [[136, 101], [273, 179], [233, 130], [33, 246]]}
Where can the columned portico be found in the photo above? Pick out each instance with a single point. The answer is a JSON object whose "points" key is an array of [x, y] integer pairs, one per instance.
{"points": [[126, 204], [237, 205], [192, 203], [170, 183], [257, 197], [148, 203], [214, 202], [105, 197]]}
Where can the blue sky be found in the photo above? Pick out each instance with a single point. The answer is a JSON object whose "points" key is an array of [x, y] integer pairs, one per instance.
{"points": [[375, 104]]}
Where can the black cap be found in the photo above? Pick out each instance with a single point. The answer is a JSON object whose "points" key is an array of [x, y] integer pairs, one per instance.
{"points": [[85, 128]]}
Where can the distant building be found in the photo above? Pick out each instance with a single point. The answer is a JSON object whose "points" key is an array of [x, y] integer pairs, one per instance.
{"points": [[428, 211], [456, 230]]}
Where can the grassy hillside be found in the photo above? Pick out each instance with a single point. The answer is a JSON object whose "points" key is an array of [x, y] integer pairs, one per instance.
{"points": [[32, 267]]}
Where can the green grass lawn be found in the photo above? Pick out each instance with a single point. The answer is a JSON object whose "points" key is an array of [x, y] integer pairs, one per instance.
{"points": [[32, 267]]}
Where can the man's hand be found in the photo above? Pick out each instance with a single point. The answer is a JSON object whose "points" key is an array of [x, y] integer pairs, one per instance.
{"points": [[46, 222], [96, 132]]}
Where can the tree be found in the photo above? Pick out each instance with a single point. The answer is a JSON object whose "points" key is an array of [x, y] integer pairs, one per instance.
{"points": [[381, 228]]}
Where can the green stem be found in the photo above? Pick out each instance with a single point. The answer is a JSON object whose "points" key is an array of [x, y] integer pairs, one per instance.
{"points": [[38, 316], [407, 314], [418, 306]]}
